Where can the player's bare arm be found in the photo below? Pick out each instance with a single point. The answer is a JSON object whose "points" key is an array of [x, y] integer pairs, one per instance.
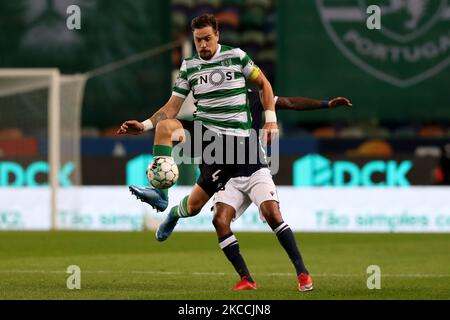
{"points": [[305, 104], [268, 102], [168, 111]]}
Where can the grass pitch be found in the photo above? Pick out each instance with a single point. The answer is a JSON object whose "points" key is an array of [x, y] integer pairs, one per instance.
{"points": [[191, 266]]}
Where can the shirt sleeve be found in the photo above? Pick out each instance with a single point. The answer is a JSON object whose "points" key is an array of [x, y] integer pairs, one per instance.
{"points": [[182, 87], [249, 69]]}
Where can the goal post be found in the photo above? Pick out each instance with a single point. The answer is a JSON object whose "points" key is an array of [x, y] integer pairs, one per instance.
{"points": [[46, 106], [42, 107], [54, 114]]}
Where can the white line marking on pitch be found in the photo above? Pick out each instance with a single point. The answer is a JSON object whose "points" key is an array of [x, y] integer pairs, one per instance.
{"points": [[275, 274]]}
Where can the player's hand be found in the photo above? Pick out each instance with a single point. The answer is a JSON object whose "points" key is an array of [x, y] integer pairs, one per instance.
{"points": [[131, 127], [340, 102], [270, 132]]}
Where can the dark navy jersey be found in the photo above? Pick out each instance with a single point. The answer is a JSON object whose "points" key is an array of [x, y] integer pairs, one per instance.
{"points": [[256, 110], [254, 153]]}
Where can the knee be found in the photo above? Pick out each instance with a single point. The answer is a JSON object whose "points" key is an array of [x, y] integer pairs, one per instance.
{"points": [[271, 212], [166, 127], [219, 221]]}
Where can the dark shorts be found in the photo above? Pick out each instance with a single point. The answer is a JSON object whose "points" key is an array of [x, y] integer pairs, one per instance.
{"points": [[217, 169]]}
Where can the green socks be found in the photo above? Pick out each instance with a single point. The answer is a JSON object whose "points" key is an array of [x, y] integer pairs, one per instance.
{"points": [[162, 151], [180, 211]]}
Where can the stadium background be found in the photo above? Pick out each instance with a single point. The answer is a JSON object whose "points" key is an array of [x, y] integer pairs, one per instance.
{"points": [[382, 166]]}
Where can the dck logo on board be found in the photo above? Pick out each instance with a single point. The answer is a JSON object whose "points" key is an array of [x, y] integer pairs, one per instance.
{"points": [[315, 170]]}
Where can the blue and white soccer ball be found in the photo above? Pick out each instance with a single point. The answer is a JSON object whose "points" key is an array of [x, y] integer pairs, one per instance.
{"points": [[162, 172]]}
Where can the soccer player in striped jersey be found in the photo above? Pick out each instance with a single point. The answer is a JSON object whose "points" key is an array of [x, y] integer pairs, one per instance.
{"points": [[226, 112], [240, 192], [229, 204], [217, 76]]}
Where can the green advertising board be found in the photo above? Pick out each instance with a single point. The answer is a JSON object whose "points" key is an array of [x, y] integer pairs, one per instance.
{"points": [[397, 73]]}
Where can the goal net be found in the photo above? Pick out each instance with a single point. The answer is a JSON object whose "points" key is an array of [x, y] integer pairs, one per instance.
{"points": [[40, 113]]}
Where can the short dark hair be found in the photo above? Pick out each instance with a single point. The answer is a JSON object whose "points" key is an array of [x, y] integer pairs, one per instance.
{"points": [[206, 20]]}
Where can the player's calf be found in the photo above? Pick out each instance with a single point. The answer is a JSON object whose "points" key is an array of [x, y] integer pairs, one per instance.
{"points": [[223, 215], [230, 247], [271, 212], [196, 201]]}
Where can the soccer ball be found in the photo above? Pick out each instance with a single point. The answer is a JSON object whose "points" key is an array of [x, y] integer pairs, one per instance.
{"points": [[162, 172]]}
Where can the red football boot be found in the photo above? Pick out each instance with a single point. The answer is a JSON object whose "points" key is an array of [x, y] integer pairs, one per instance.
{"points": [[305, 282], [244, 284]]}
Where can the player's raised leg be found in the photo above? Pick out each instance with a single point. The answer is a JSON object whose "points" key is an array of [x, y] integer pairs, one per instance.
{"points": [[190, 206], [167, 133], [271, 212], [223, 215], [212, 179]]}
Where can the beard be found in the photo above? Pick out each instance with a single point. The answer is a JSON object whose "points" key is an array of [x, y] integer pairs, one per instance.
{"points": [[206, 54]]}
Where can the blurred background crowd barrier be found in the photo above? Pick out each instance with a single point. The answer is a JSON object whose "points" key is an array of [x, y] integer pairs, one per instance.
{"points": [[121, 64]]}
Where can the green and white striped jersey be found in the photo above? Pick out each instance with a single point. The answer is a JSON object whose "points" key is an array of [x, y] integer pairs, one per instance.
{"points": [[219, 89]]}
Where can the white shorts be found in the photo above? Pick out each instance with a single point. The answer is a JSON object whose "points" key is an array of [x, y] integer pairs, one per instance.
{"points": [[240, 192]]}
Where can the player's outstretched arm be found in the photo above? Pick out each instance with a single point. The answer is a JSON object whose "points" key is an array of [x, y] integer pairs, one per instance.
{"points": [[168, 111], [268, 102], [305, 104]]}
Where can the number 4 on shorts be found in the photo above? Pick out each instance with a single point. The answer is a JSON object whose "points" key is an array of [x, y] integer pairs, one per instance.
{"points": [[215, 175]]}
